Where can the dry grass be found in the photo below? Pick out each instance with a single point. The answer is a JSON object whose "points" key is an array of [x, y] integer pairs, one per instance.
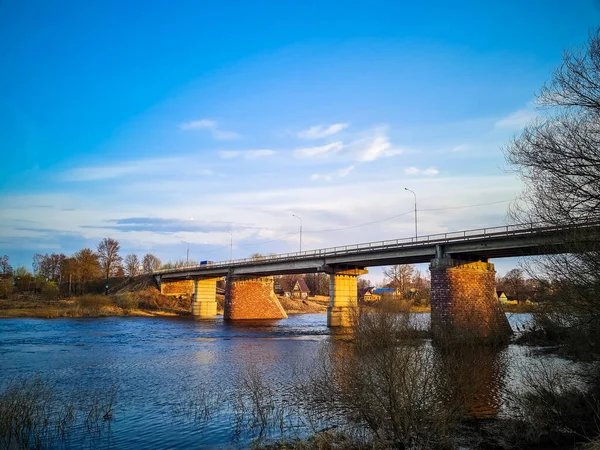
{"points": [[148, 302], [31, 416], [300, 306]]}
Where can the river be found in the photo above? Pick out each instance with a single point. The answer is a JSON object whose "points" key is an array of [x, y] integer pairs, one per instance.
{"points": [[157, 366]]}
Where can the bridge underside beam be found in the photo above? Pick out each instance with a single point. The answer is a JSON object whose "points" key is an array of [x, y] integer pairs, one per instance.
{"points": [[251, 298], [464, 305], [343, 302]]}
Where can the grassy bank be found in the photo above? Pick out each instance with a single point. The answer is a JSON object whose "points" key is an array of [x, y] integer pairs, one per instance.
{"points": [[147, 302]]}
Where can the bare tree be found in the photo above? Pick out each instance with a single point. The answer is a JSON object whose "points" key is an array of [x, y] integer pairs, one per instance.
{"points": [[150, 263], [401, 278], [48, 266], [108, 255], [132, 265], [558, 159], [5, 267]]}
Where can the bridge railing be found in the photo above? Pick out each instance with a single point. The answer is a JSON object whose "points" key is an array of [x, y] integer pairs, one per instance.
{"points": [[438, 238]]}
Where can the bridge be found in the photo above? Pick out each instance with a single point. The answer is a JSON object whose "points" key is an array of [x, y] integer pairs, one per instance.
{"points": [[462, 278]]}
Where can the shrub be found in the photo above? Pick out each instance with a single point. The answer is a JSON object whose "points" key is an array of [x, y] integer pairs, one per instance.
{"points": [[553, 405], [126, 300], [50, 291], [402, 394], [6, 288], [93, 303]]}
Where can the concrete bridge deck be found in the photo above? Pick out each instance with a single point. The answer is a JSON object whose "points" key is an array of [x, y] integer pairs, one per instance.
{"points": [[483, 243], [463, 281]]}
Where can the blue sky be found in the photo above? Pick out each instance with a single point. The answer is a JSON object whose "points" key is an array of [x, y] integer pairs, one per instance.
{"points": [[168, 124]]}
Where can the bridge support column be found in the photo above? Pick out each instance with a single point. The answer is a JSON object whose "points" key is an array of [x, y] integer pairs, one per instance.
{"points": [[464, 305], [204, 303], [343, 297], [251, 298]]}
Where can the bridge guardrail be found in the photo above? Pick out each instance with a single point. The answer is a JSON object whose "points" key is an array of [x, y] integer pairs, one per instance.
{"points": [[438, 238]]}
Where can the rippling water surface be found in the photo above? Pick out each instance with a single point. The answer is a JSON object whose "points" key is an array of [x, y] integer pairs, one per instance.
{"points": [[156, 365]]}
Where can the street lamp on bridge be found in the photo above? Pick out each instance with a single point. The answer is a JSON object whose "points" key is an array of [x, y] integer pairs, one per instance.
{"points": [[187, 254], [413, 192], [230, 246], [299, 218]]}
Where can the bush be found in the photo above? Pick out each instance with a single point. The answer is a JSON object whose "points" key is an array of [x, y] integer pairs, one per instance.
{"points": [[126, 300], [93, 303], [401, 394], [50, 291], [6, 288], [554, 405]]}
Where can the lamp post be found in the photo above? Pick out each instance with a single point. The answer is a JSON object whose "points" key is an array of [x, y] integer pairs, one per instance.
{"points": [[300, 219], [187, 254], [413, 192], [230, 246]]}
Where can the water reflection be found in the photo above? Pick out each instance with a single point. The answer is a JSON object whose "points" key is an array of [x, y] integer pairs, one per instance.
{"points": [[477, 374], [177, 378]]}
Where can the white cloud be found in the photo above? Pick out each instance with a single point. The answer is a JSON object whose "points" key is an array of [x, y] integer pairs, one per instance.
{"points": [[343, 172], [321, 176], [251, 154], [195, 124], [375, 146], [229, 154], [322, 150], [247, 154], [518, 119], [321, 131], [142, 166], [431, 171], [207, 124], [221, 135]]}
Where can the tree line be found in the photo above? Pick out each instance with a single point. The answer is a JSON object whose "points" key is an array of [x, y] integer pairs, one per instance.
{"points": [[59, 272]]}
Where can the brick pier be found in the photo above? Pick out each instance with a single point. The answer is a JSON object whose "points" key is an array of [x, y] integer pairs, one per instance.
{"points": [[251, 298], [464, 303]]}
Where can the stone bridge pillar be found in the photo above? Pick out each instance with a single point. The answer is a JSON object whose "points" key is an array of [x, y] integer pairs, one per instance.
{"points": [[204, 303], [464, 305], [251, 298], [343, 303]]}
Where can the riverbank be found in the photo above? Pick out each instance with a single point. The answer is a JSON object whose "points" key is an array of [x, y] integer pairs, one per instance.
{"points": [[144, 303]]}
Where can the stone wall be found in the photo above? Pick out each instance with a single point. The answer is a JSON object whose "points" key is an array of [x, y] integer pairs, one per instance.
{"points": [[251, 298], [463, 301], [177, 287]]}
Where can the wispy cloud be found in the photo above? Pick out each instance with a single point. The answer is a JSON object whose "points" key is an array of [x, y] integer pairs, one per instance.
{"points": [[195, 124], [148, 166], [343, 172], [322, 150], [518, 119], [221, 135], [213, 126], [431, 171], [321, 131], [376, 146], [246, 154]]}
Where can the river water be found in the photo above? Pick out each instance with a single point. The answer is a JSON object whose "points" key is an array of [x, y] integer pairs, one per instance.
{"points": [[158, 365]]}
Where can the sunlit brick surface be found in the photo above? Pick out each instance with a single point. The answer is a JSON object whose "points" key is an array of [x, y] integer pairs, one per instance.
{"points": [[180, 287], [463, 300], [251, 298]]}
